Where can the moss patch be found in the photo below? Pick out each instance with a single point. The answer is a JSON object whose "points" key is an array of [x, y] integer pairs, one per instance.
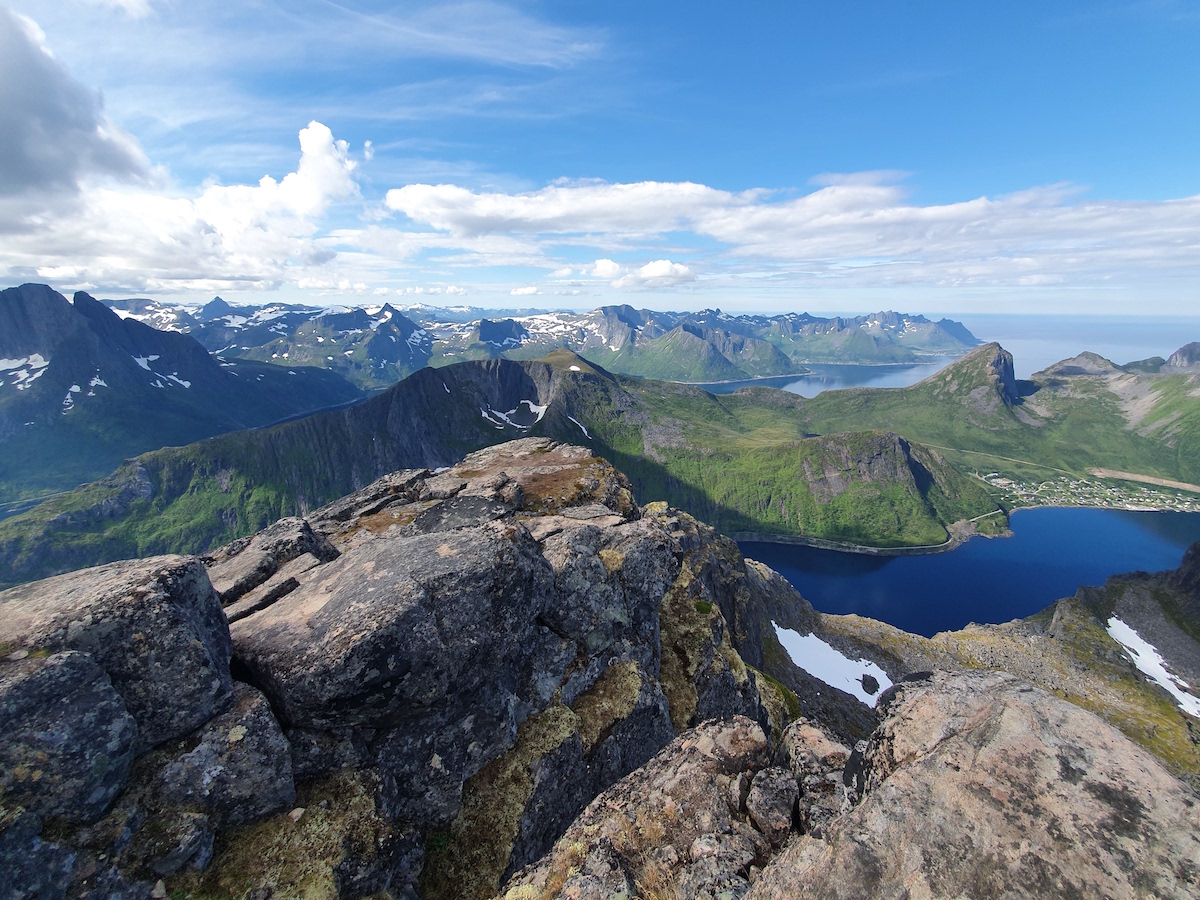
{"points": [[296, 859], [781, 702], [611, 699], [469, 861]]}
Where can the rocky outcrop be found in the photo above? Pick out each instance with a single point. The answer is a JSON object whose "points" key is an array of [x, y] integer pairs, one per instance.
{"points": [[976, 785], [240, 768], [507, 673], [436, 674], [154, 626], [69, 742], [983, 785], [1186, 357], [677, 827]]}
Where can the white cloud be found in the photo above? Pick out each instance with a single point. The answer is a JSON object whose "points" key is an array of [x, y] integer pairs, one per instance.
{"points": [[53, 130], [662, 273], [524, 291], [255, 236], [603, 268], [856, 230], [456, 291], [564, 272]]}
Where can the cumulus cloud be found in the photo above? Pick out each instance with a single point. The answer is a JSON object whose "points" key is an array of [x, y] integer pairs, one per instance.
{"points": [[53, 130], [524, 291], [253, 235], [603, 268], [662, 273]]}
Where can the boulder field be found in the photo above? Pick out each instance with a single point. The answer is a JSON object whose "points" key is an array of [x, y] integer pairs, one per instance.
{"points": [[507, 679]]}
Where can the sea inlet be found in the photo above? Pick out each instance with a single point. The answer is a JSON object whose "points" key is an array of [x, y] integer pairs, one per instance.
{"points": [[1051, 553]]}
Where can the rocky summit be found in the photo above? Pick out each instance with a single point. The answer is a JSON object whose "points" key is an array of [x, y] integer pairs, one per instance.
{"points": [[507, 679]]}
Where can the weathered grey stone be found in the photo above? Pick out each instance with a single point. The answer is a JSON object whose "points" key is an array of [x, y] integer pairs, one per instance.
{"points": [[240, 768], [155, 626], [403, 486], [671, 822], [283, 582], [66, 739], [240, 567], [235, 576], [608, 584], [817, 761], [316, 753], [460, 512], [186, 841], [983, 785], [401, 629], [111, 884], [30, 868], [565, 781], [772, 803]]}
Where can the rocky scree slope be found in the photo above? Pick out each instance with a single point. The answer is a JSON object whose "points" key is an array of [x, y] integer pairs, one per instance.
{"points": [[507, 679]]}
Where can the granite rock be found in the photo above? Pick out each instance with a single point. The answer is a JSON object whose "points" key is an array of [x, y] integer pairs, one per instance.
{"points": [[984, 785], [240, 768], [155, 626], [66, 740]]}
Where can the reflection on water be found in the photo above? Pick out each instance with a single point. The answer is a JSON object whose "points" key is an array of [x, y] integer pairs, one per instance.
{"points": [[1052, 552], [835, 377]]}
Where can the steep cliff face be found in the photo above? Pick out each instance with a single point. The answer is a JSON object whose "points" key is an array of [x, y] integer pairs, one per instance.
{"points": [[81, 389]]}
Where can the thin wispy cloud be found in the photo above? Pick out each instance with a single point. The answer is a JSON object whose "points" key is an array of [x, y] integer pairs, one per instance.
{"points": [[459, 145]]}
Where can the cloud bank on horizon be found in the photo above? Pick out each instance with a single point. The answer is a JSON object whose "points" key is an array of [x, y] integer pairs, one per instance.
{"points": [[84, 205]]}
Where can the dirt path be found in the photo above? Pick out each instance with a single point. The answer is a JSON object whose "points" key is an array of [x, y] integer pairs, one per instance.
{"points": [[1145, 479]]}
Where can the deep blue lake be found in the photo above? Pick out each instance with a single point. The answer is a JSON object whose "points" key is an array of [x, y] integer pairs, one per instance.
{"points": [[1051, 553]]}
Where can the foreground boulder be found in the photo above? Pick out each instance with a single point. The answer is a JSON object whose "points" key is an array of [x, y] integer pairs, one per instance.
{"points": [[679, 822], [68, 740], [154, 626], [435, 675], [983, 785]]}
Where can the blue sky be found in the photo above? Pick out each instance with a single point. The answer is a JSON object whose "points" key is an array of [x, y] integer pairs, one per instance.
{"points": [[926, 156]]}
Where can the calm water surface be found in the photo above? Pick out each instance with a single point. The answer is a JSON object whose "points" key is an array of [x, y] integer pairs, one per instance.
{"points": [[1052, 552], [835, 377]]}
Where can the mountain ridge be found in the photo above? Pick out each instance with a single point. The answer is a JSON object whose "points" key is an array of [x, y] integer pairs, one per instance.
{"points": [[82, 389]]}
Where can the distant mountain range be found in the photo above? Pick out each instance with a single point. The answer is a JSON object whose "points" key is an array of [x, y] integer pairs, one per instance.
{"points": [[81, 389], [376, 346]]}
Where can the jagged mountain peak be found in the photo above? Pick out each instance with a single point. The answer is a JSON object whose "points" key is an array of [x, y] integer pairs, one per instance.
{"points": [[1186, 356], [989, 364]]}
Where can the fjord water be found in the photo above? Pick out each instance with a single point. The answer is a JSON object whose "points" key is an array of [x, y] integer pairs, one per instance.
{"points": [[835, 377], [1051, 553]]}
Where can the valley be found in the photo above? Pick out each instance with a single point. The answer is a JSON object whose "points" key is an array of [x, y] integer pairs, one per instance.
{"points": [[885, 468]]}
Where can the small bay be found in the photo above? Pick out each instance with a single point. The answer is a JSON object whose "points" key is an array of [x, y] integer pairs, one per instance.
{"points": [[1051, 553]]}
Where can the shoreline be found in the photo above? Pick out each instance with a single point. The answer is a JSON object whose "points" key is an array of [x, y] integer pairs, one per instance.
{"points": [[956, 539], [810, 373]]}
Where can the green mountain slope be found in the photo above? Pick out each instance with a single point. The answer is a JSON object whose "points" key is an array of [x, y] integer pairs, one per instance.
{"points": [[741, 461], [1073, 416], [883, 467]]}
